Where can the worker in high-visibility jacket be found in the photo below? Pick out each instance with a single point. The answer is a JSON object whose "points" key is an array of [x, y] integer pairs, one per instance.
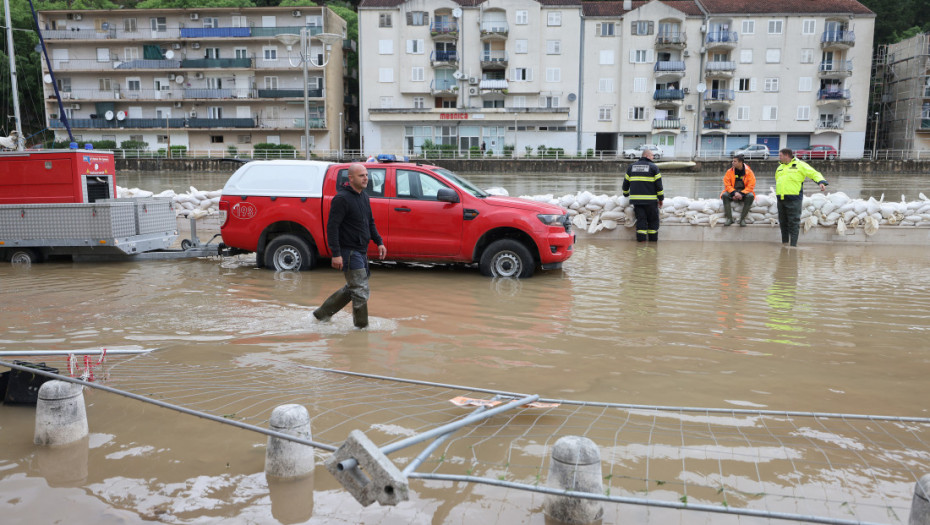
{"points": [[643, 185], [789, 182]]}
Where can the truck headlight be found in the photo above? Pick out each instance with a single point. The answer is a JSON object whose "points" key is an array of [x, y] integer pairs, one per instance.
{"points": [[551, 220]]}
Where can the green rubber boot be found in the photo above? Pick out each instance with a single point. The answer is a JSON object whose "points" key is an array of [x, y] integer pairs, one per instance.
{"points": [[333, 304], [727, 212], [745, 212]]}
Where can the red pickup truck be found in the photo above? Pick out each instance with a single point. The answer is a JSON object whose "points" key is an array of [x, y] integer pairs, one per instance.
{"points": [[279, 210]]}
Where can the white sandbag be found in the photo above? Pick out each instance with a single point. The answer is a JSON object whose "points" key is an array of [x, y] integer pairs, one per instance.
{"points": [[848, 216], [841, 227], [167, 194], [699, 219], [817, 200], [188, 205], [610, 204], [197, 214], [912, 219], [860, 206], [571, 213], [838, 199], [493, 190], [219, 193], [566, 200], [613, 215], [855, 221], [887, 210], [828, 207], [592, 206], [696, 205], [600, 200], [609, 224], [762, 200], [595, 225], [677, 202], [205, 204], [574, 206], [871, 225], [584, 198], [833, 217], [580, 222], [756, 217], [873, 206], [808, 223]]}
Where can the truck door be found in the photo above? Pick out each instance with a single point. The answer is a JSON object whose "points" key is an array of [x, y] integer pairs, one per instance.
{"points": [[419, 224], [379, 203]]}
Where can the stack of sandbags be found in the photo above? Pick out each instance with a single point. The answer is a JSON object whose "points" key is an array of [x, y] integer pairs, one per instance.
{"points": [[194, 204]]}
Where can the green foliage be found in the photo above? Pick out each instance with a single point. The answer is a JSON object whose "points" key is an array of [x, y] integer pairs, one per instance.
{"points": [[192, 4], [133, 144], [267, 150], [232, 151], [296, 3], [508, 150]]}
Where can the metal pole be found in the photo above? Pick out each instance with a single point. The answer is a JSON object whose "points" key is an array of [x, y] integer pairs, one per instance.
{"points": [[875, 136], [29, 353], [305, 48], [340, 135], [13, 86]]}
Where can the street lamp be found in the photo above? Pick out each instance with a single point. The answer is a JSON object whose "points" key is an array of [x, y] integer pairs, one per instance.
{"points": [[875, 136], [289, 39], [340, 135]]}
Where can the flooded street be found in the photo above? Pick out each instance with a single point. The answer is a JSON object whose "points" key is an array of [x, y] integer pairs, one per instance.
{"points": [[823, 328]]}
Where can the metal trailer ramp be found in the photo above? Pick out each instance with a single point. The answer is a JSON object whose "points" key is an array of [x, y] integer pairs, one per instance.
{"points": [[797, 466]]}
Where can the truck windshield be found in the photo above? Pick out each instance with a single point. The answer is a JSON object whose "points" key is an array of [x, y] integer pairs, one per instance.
{"points": [[461, 182]]}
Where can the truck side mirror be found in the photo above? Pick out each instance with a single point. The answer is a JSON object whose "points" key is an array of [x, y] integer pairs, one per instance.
{"points": [[447, 195]]}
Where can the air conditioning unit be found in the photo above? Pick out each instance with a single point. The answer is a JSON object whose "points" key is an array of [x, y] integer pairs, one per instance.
{"points": [[847, 118], [199, 75], [75, 106], [472, 91], [176, 45], [686, 53], [196, 45], [171, 76], [686, 90], [296, 13], [78, 16], [194, 16], [194, 113], [473, 81], [703, 29], [689, 107], [177, 104]]}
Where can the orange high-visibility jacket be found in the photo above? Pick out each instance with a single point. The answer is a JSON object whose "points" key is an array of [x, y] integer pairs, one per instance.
{"points": [[749, 179]]}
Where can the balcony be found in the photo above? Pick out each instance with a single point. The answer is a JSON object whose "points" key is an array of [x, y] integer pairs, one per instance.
{"points": [[494, 85], [672, 40], [214, 32], [829, 125], [444, 87], [721, 40], [668, 70], [349, 45], [667, 124], [315, 122], [156, 123], [835, 69], [720, 69], [208, 63], [837, 39], [665, 97], [719, 97], [289, 93], [271, 32], [92, 64], [350, 100], [833, 96], [444, 58], [494, 59], [209, 93], [496, 30], [444, 31], [716, 124]]}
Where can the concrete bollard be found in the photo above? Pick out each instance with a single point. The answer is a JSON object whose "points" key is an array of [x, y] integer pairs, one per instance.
{"points": [[61, 417], [575, 465], [283, 458], [920, 505]]}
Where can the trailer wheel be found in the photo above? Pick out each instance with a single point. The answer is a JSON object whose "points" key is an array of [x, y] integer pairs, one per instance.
{"points": [[186, 244], [507, 258], [24, 257], [288, 252]]}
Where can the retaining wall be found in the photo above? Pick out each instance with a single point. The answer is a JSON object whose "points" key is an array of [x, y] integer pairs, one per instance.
{"points": [[886, 235]]}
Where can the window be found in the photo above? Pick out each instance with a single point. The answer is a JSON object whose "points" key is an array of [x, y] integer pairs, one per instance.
{"points": [[103, 54], [553, 74], [548, 102], [160, 139], [742, 113], [216, 139], [415, 185], [106, 84], [419, 102], [376, 178], [417, 18], [136, 138], [211, 53], [606, 57], [385, 47], [519, 101], [804, 112], [638, 113], [604, 29], [604, 114], [807, 56], [642, 27], [523, 18], [748, 27], [133, 84], [271, 82], [211, 22], [745, 56], [387, 102], [805, 84], [64, 84], [808, 28], [772, 56], [521, 74], [214, 112], [553, 47], [771, 85], [159, 24], [639, 85], [270, 53], [416, 74], [244, 139], [744, 85], [554, 19], [496, 103], [130, 25], [775, 27], [519, 46], [385, 74], [605, 85], [241, 52], [384, 20], [415, 47], [769, 112]]}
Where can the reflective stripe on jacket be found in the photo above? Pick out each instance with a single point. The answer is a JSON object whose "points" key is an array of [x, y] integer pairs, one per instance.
{"points": [[749, 180], [643, 182], [789, 178]]}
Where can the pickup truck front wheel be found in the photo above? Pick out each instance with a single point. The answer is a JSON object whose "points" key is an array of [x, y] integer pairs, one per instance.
{"points": [[288, 252], [507, 258]]}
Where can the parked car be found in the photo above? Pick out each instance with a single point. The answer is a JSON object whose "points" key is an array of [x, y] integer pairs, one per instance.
{"points": [[752, 151], [637, 152], [819, 151]]}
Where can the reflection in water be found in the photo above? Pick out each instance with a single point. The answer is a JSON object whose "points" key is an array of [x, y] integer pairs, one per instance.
{"points": [[785, 315]]}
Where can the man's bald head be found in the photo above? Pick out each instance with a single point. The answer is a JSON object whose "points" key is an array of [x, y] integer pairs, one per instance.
{"points": [[358, 177], [648, 154]]}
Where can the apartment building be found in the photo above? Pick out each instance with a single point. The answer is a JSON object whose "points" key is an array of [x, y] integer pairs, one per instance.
{"points": [[697, 77], [206, 78], [489, 75], [902, 93]]}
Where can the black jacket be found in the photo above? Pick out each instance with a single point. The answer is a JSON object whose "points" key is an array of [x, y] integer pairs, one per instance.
{"points": [[643, 182], [351, 225]]}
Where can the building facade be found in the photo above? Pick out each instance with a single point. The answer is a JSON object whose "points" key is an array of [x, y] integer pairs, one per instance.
{"points": [[696, 77], [902, 89], [206, 78]]}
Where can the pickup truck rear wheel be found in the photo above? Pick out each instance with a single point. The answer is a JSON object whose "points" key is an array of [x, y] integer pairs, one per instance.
{"points": [[507, 258], [288, 252]]}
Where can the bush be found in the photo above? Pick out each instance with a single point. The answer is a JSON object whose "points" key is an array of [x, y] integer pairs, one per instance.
{"points": [[267, 150], [508, 150], [232, 151]]}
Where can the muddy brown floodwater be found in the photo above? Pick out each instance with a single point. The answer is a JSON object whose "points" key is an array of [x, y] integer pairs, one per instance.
{"points": [[818, 328]]}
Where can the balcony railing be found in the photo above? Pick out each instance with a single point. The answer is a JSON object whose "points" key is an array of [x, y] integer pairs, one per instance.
{"points": [[494, 58], [289, 93], [286, 30], [671, 38], [444, 28], [158, 123], [666, 123], [316, 122], [838, 37], [451, 57], [204, 63], [833, 94], [92, 64], [721, 65], [830, 125], [495, 28], [214, 32], [443, 85], [836, 66], [669, 66], [668, 94], [147, 64], [924, 124], [710, 123], [716, 37], [209, 93], [719, 95]]}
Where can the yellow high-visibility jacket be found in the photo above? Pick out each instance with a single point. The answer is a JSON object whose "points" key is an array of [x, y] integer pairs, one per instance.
{"points": [[789, 179]]}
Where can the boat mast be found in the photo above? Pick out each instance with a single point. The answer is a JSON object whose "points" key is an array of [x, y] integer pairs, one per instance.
{"points": [[9, 45]]}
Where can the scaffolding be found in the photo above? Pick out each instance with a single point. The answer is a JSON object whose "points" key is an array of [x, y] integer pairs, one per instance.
{"points": [[901, 98]]}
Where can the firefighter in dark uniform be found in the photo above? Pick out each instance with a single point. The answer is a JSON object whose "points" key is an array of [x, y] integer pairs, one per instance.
{"points": [[643, 185]]}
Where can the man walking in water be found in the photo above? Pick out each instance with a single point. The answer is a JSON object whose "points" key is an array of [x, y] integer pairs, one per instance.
{"points": [[789, 182], [351, 227], [643, 185]]}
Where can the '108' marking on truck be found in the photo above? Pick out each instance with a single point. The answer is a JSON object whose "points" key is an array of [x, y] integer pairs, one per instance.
{"points": [[244, 210]]}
